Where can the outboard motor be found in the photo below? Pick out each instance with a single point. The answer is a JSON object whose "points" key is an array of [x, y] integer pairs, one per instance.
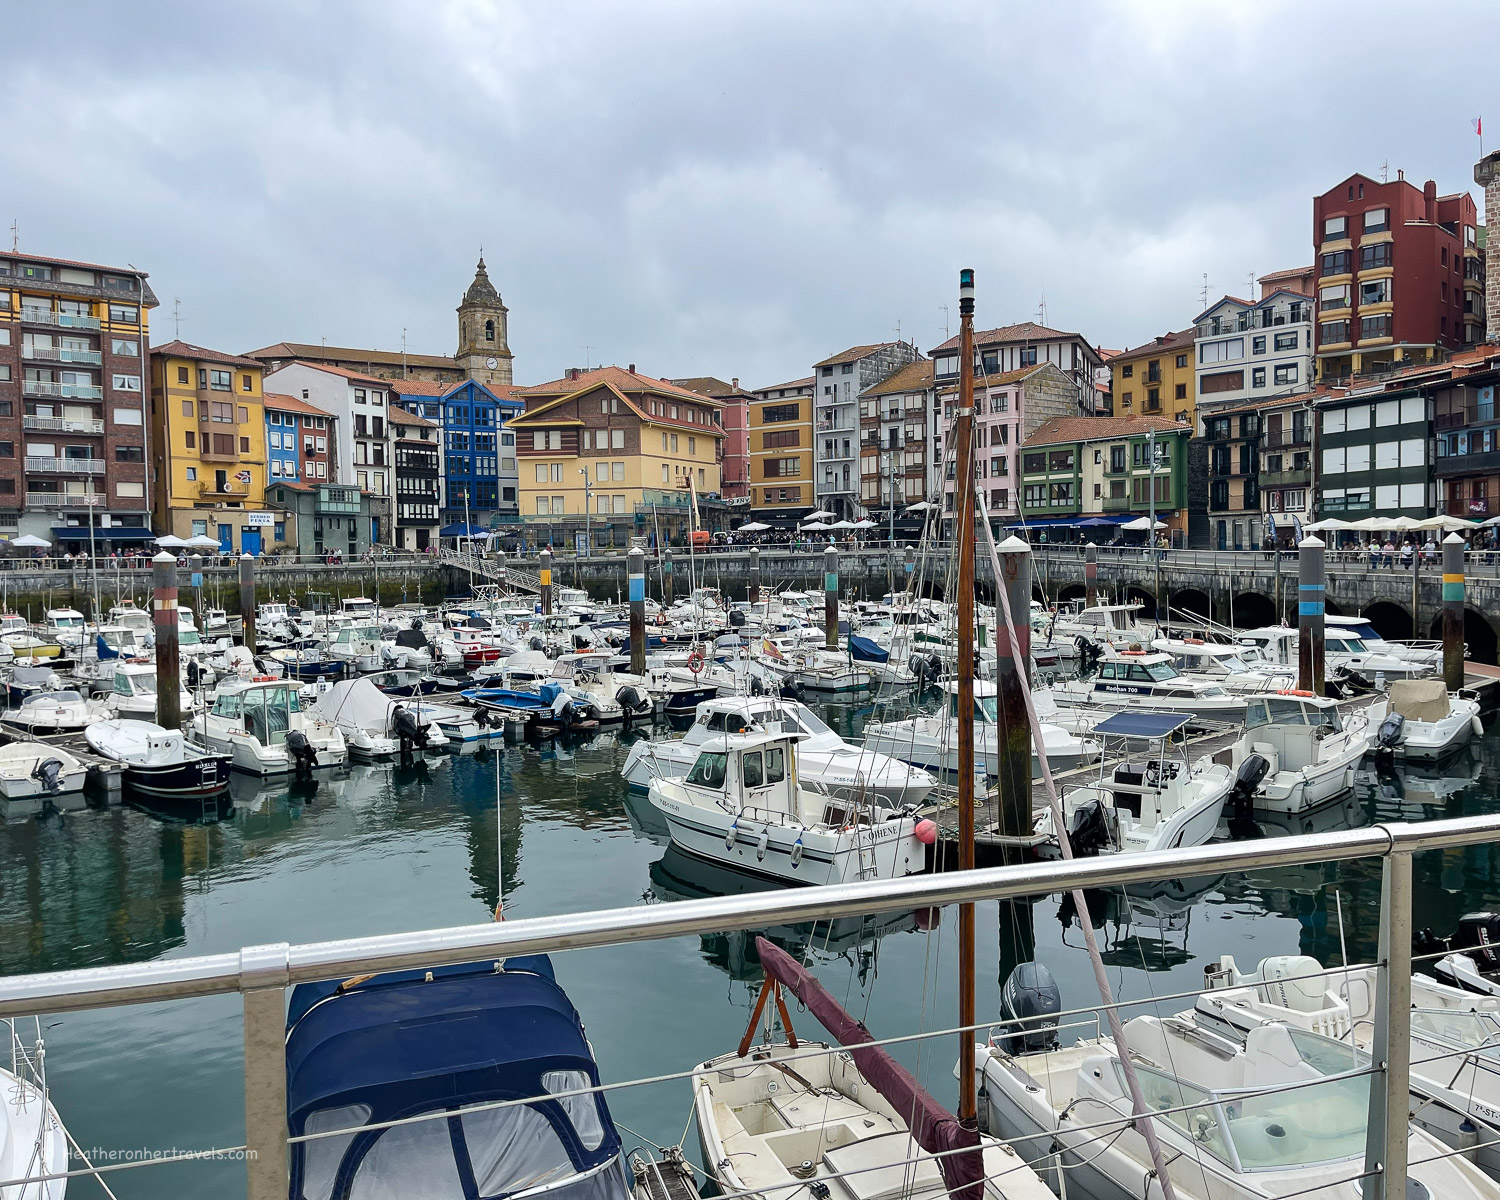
{"points": [[304, 757], [48, 773], [1032, 998], [632, 703], [194, 672], [1389, 735], [1242, 798], [792, 689], [1478, 935], [408, 729], [537, 643], [1089, 831]]}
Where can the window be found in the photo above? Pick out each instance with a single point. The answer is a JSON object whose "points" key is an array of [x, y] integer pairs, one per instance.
{"points": [[192, 474], [1258, 345], [692, 445], [1375, 327], [125, 312], [616, 439], [244, 445], [1232, 348], [1286, 341], [1375, 291], [1334, 228], [132, 454], [1258, 377], [543, 506], [130, 490], [220, 381], [1336, 296], [131, 348], [1333, 332], [126, 383], [1286, 373], [1378, 255], [1377, 220], [1336, 263], [1182, 361], [617, 472], [246, 383], [674, 443], [182, 377], [541, 473], [126, 416]]}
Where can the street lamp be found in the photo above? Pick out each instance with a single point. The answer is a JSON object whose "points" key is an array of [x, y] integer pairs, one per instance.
{"points": [[587, 528]]}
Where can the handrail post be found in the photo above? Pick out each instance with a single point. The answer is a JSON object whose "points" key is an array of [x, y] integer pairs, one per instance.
{"points": [[1390, 1053], [265, 976]]}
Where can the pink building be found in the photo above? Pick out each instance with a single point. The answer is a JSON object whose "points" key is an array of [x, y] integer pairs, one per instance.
{"points": [[734, 468]]}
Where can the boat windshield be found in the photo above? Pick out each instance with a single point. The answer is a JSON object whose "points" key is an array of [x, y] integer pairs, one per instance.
{"points": [[1345, 645], [46, 698], [986, 708], [189, 637], [65, 622], [1471, 1030], [709, 770]]}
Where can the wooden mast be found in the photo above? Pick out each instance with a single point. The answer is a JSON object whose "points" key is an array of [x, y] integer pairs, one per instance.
{"points": [[963, 539]]}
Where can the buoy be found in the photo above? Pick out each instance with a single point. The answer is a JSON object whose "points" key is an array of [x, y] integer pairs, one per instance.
{"points": [[1294, 692], [695, 661], [762, 843], [926, 832], [732, 836], [797, 850]]}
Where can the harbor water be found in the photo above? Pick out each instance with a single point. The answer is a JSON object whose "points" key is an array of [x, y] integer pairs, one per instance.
{"points": [[376, 849]]}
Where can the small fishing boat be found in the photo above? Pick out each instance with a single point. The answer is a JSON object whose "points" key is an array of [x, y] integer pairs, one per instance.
{"points": [[1309, 747], [308, 663], [157, 761], [36, 770], [407, 681], [1146, 679], [445, 1041], [374, 724], [132, 691], [1150, 799], [62, 711], [260, 724], [66, 626], [28, 681], [744, 804], [548, 711], [1422, 721]]}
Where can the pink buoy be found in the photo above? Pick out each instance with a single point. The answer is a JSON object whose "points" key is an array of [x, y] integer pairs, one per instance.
{"points": [[926, 832]]}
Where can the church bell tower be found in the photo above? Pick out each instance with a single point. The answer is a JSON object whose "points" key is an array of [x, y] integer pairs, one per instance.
{"points": [[483, 345]]}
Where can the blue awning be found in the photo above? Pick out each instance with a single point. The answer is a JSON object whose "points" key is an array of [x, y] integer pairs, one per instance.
{"points": [[1045, 523], [1142, 724], [461, 530], [112, 533]]}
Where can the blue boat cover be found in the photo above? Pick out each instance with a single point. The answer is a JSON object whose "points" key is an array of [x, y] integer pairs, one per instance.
{"points": [[400, 1044], [103, 651], [1142, 724], [864, 650]]}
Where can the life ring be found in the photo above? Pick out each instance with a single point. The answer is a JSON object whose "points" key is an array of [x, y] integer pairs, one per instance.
{"points": [[1294, 692], [695, 661], [1192, 641]]}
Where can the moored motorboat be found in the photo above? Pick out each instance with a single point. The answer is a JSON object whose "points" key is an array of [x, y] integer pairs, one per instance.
{"points": [[1309, 745], [261, 725], [62, 711], [1420, 720], [35, 770], [1146, 679], [157, 761], [376, 725]]}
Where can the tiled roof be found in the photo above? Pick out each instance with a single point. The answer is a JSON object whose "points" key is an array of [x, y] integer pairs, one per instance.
{"points": [[419, 387], [284, 403], [356, 376], [853, 354], [19, 256], [625, 381], [913, 377], [387, 358], [1169, 341], [706, 385], [1004, 379], [187, 350], [399, 416], [791, 384], [1092, 429], [1026, 331], [1289, 273]]}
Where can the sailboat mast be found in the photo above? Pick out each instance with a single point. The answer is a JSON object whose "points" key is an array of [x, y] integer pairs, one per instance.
{"points": [[963, 540]]}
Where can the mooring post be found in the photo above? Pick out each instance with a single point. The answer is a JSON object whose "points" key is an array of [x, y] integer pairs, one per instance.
{"points": [[1011, 684], [666, 575], [635, 570], [1090, 575], [164, 616], [247, 599], [195, 564], [831, 598], [1311, 585], [1390, 1054], [1453, 611], [544, 577], [911, 565], [754, 575]]}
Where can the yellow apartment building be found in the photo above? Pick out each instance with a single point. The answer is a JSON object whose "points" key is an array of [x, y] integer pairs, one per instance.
{"points": [[781, 453], [1157, 379]]}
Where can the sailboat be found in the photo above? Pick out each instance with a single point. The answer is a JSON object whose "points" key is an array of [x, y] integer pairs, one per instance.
{"points": [[778, 1121]]}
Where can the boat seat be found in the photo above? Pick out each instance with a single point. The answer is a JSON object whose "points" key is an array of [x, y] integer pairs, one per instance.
{"points": [[884, 1172]]}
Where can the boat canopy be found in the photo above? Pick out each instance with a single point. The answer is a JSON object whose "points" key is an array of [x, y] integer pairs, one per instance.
{"points": [[1143, 724], [864, 650], [411, 1042]]}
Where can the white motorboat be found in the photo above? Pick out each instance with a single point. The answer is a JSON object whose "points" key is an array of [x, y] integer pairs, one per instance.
{"points": [[359, 646], [35, 770], [1343, 655], [374, 725], [743, 804], [1422, 721], [1428, 654], [1283, 1114], [157, 761], [823, 758], [1455, 1036], [932, 741], [66, 626], [33, 1142], [260, 724], [1310, 748], [1153, 800], [1146, 679], [132, 691], [64, 711], [1224, 664], [612, 699], [1111, 624]]}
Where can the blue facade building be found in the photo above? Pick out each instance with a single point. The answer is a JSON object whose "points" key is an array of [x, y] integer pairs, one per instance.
{"points": [[285, 417], [479, 450]]}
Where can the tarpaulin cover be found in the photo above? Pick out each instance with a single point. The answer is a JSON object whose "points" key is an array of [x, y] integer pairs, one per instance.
{"points": [[933, 1127], [864, 650], [1420, 699]]}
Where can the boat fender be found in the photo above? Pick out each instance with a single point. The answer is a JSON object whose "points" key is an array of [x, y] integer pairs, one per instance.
{"points": [[762, 844], [926, 832], [733, 835], [1477, 726], [797, 850]]}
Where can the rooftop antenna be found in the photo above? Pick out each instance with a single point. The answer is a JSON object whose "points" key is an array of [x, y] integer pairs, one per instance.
{"points": [[1041, 312], [15, 236], [1251, 297], [585, 348], [1385, 171], [405, 373], [898, 330], [1205, 289], [177, 317], [946, 335], [324, 340]]}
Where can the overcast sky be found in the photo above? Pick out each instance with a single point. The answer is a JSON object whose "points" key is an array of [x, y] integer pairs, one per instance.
{"points": [[712, 188]]}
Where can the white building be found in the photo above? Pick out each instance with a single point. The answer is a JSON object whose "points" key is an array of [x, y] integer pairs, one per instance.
{"points": [[837, 384], [1253, 350], [1013, 347]]}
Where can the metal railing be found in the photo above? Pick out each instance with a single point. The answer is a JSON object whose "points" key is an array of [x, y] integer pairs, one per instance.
{"points": [[261, 974], [54, 354], [61, 391], [63, 424], [65, 466], [45, 316]]}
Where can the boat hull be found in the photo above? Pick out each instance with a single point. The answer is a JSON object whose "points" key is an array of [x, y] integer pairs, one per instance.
{"points": [[203, 776]]}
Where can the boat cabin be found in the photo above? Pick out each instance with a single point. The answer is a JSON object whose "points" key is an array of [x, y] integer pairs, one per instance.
{"points": [[13, 623], [129, 615], [64, 620], [986, 701], [135, 679], [355, 639], [360, 608], [1105, 619], [755, 771], [1286, 730], [264, 709], [1135, 671], [1218, 659], [271, 612]]}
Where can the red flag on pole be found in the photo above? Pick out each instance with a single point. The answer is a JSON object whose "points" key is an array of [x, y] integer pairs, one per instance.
{"points": [[1478, 123]]}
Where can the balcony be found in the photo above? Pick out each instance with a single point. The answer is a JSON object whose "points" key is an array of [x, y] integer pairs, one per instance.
{"points": [[63, 424], [208, 455], [1293, 478], [1288, 441], [45, 316], [61, 391], [65, 466], [230, 489], [1467, 464], [1116, 504], [92, 358], [51, 500], [847, 427], [1473, 507]]}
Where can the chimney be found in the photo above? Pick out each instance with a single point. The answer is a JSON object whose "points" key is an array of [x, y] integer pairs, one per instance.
{"points": [[632, 368], [1400, 175], [1429, 202], [572, 372], [735, 383], [1487, 175]]}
